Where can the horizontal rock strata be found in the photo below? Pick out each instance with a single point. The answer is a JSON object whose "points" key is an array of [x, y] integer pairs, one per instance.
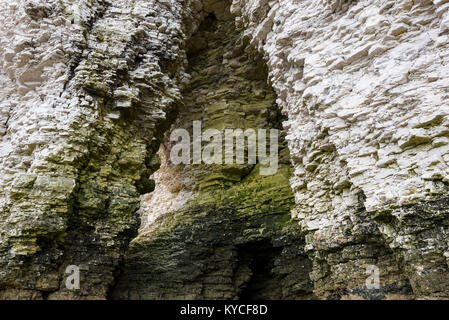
{"points": [[91, 90]]}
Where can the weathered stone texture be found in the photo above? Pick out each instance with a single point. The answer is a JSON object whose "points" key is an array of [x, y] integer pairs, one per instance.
{"points": [[89, 88], [219, 231], [365, 87], [86, 88]]}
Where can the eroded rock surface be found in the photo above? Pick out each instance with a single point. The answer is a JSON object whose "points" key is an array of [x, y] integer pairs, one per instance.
{"points": [[365, 88], [87, 87], [90, 89], [219, 231]]}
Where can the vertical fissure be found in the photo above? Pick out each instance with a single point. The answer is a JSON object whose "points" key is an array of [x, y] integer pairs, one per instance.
{"points": [[206, 233]]}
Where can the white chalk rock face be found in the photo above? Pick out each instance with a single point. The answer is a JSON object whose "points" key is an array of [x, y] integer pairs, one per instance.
{"points": [[84, 87], [365, 87]]}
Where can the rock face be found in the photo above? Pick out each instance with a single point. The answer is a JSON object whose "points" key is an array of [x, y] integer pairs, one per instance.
{"points": [[219, 231], [91, 90], [365, 89], [86, 91]]}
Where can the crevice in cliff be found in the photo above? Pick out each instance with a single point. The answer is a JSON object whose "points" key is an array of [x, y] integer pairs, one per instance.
{"points": [[219, 231], [6, 124], [86, 26], [258, 259]]}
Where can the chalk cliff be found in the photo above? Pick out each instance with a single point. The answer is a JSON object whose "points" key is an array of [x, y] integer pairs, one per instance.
{"points": [[90, 92]]}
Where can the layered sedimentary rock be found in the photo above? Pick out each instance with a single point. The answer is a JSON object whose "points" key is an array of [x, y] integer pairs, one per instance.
{"points": [[87, 88], [365, 87], [91, 90], [219, 231]]}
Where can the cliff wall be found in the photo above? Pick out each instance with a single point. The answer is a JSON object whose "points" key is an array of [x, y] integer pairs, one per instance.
{"points": [[91, 90]]}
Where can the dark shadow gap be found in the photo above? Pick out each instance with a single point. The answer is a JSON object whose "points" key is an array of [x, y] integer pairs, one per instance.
{"points": [[260, 258]]}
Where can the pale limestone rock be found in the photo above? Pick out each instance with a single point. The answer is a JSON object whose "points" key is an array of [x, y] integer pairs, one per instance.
{"points": [[364, 85], [84, 87]]}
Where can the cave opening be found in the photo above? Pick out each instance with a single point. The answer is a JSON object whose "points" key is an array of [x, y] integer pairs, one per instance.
{"points": [[228, 88], [259, 259], [208, 23]]}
